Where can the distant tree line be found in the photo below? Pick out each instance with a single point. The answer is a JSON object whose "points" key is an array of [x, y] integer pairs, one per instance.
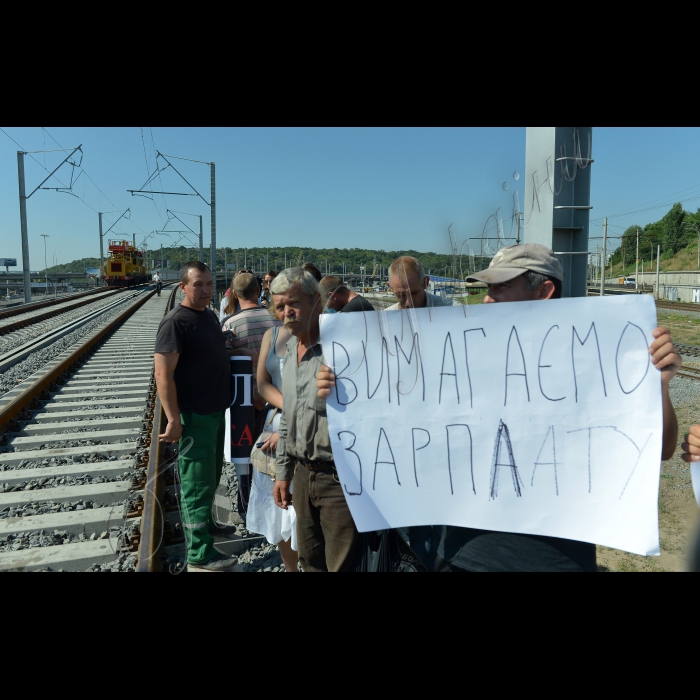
{"points": [[333, 259]]}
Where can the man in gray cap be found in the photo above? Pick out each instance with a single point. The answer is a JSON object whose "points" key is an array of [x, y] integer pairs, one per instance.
{"points": [[524, 273]]}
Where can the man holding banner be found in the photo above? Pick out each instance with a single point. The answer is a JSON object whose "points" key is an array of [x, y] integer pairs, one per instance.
{"points": [[612, 492], [326, 533]]}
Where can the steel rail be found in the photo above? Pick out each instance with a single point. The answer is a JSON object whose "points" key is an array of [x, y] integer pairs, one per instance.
{"points": [[24, 308], [153, 515], [12, 357], [11, 411], [689, 372], [15, 325], [679, 305]]}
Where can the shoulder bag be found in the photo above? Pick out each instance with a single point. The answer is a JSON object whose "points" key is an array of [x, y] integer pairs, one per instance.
{"points": [[264, 462]]}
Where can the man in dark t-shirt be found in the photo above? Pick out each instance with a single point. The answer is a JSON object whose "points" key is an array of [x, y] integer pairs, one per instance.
{"points": [[337, 296], [192, 376]]}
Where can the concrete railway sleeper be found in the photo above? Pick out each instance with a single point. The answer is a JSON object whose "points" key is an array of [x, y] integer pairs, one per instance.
{"points": [[76, 438], [85, 485]]}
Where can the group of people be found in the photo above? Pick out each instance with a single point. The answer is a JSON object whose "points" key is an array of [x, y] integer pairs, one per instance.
{"points": [[295, 496]]}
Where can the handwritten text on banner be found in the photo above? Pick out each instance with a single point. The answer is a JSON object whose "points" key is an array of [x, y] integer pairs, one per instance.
{"points": [[532, 417]]}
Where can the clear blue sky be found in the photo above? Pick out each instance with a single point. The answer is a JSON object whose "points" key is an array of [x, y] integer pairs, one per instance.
{"points": [[383, 188]]}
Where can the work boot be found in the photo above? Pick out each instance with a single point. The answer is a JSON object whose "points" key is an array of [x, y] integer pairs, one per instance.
{"points": [[218, 563], [218, 530]]}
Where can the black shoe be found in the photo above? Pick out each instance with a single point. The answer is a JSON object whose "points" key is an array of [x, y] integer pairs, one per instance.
{"points": [[218, 530], [219, 562]]}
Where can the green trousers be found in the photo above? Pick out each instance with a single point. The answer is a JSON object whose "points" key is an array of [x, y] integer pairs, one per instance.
{"points": [[201, 462]]}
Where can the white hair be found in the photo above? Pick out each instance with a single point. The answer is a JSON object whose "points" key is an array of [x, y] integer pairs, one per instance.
{"points": [[294, 275]]}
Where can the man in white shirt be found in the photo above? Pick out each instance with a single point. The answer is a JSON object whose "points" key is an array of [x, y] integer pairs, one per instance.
{"points": [[158, 279]]}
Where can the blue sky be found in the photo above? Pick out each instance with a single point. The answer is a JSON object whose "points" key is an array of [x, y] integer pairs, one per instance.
{"points": [[384, 188]]}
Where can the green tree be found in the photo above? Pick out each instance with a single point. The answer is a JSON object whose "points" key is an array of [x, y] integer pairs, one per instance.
{"points": [[673, 237]]}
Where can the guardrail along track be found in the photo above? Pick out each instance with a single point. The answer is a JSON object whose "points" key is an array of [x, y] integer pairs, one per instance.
{"points": [[73, 460]]}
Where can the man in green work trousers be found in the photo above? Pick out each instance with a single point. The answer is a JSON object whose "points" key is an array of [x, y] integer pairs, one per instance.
{"points": [[192, 376]]}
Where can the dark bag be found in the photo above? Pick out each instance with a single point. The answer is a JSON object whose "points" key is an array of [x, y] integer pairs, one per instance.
{"points": [[386, 551]]}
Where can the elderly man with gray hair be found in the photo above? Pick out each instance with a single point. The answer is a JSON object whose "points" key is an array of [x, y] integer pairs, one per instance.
{"points": [[326, 533]]}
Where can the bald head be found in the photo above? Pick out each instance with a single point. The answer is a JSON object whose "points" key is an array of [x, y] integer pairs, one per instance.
{"points": [[409, 282], [334, 294], [246, 286]]}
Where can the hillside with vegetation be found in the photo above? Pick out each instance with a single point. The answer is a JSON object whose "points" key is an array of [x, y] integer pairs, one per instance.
{"points": [[677, 233], [261, 259]]}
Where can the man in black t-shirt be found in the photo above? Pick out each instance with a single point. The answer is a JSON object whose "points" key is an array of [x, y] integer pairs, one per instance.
{"points": [[192, 376], [337, 296]]}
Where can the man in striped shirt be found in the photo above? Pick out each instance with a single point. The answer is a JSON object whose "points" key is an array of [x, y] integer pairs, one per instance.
{"points": [[248, 326]]}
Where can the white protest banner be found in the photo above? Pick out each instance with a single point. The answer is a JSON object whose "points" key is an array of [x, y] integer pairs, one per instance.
{"points": [[695, 479], [531, 417]]}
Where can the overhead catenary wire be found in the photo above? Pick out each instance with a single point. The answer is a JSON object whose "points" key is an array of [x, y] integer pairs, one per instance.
{"points": [[155, 153], [133, 222], [60, 182]]}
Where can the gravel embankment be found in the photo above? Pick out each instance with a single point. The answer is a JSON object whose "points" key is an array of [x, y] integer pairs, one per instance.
{"points": [[683, 390]]}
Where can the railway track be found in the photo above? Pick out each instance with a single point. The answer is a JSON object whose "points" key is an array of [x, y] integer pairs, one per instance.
{"points": [[678, 306], [688, 350], [688, 372], [21, 308], [84, 482], [27, 317], [20, 344], [75, 450]]}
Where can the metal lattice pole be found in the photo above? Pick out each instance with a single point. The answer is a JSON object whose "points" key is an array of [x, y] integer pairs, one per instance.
{"points": [[212, 255], [23, 223], [201, 241]]}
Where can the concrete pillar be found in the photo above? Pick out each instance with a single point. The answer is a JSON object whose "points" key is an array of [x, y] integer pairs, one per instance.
{"points": [[557, 197]]}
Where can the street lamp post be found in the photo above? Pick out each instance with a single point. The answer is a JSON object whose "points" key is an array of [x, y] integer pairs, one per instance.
{"points": [[697, 230], [46, 267], [55, 272]]}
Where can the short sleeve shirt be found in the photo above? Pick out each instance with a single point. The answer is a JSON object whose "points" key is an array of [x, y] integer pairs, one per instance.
{"points": [[248, 327], [202, 372], [358, 304]]}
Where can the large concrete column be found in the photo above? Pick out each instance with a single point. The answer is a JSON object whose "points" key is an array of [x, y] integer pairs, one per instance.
{"points": [[557, 197]]}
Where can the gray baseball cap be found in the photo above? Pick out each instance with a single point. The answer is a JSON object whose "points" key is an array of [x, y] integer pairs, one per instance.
{"points": [[514, 260]]}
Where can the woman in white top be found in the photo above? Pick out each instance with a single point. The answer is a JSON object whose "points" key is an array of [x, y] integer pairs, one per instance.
{"points": [[264, 517]]}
